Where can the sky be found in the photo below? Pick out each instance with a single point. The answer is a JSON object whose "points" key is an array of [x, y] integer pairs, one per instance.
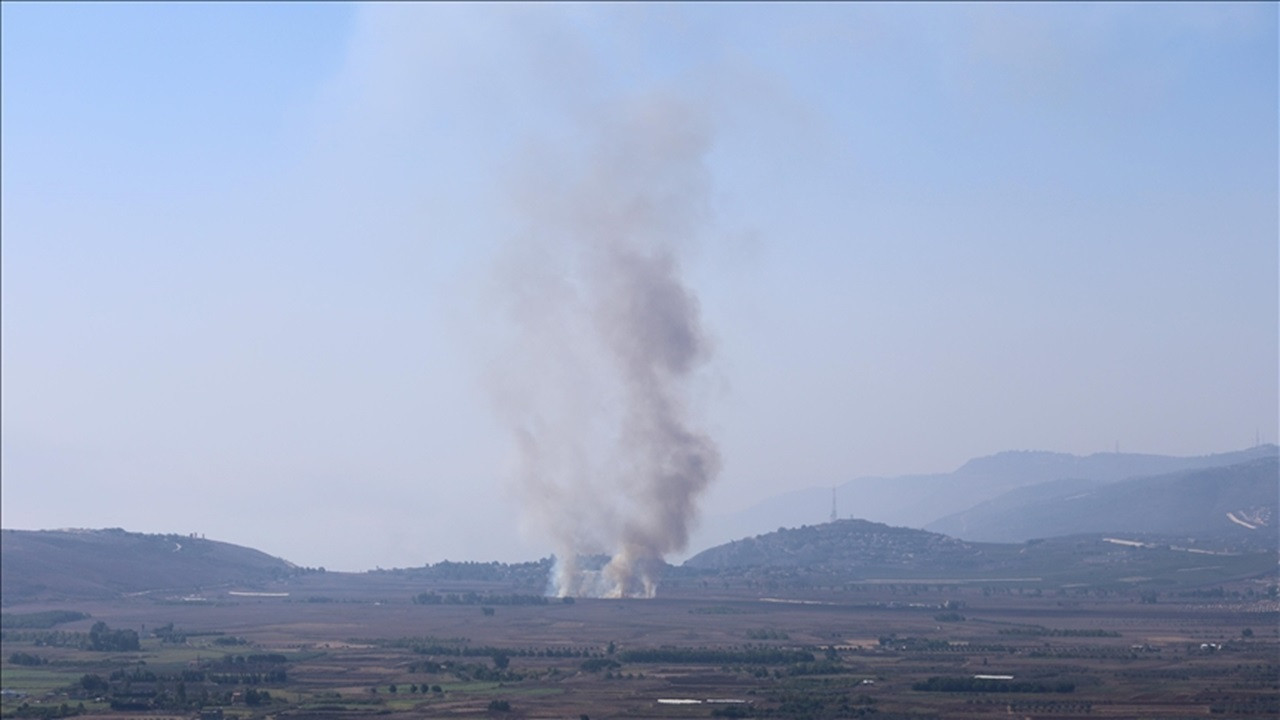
{"points": [[256, 259]]}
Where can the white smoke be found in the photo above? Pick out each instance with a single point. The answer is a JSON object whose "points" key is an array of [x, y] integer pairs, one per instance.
{"points": [[595, 390]]}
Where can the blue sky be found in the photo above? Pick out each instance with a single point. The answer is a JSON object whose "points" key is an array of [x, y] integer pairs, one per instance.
{"points": [[249, 250]]}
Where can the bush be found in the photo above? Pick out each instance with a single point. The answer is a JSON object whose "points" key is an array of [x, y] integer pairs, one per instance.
{"points": [[93, 683], [598, 664], [21, 658]]}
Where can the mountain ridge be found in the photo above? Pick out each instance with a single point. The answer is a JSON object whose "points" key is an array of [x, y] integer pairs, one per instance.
{"points": [[1199, 502], [917, 500]]}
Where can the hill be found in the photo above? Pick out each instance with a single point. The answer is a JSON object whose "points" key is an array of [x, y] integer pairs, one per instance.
{"points": [[853, 551], [844, 545], [66, 564], [919, 500], [1237, 502]]}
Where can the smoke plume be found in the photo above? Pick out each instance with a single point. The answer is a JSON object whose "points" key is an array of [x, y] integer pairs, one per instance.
{"points": [[596, 388]]}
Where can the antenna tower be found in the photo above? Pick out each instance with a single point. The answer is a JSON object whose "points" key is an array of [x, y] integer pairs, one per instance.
{"points": [[834, 516]]}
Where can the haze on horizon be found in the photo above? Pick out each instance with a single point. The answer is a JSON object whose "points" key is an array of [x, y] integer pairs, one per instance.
{"points": [[250, 253]]}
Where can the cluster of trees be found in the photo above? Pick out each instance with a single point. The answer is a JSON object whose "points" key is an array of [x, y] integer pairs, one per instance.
{"points": [[919, 644], [1094, 652], [1272, 592], [450, 650], [972, 684], [46, 638], [1056, 707], [1040, 630], [104, 639], [48, 712], [740, 656], [167, 634], [39, 620], [254, 698], [818, 667], [254, 659], [527, 573], [811, 701], [141, 690], [250, 678], [480, 672], [28, 659], [93, 684], [912, 643], [474, 598], [100, 637], [597, 664], [415, 688]]}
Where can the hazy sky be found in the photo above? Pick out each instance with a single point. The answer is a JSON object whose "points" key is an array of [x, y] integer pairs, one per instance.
{"points": [[250, 251]]}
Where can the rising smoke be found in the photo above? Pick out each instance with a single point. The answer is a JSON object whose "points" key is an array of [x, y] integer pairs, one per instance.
{"points": [[609, 338]]}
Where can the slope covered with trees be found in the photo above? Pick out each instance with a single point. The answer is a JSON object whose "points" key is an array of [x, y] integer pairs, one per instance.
{"points": [[54, 564]]}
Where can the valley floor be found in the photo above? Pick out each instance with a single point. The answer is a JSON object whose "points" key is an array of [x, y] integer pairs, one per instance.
{"points": [[330, 648]]}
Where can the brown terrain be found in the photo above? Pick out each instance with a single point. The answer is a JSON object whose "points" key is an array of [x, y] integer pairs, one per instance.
{"points": [[343, 646]]}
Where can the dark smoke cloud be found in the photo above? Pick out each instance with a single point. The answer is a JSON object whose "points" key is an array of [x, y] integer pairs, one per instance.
{"points": [[595, 391]]}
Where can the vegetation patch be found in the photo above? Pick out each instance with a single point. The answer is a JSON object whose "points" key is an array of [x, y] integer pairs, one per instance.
{"points": [[973, 684], [39, 620], [717, 656], [1040, 631]]}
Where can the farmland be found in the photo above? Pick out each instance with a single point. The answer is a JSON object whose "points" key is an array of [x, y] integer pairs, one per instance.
{"points": [[345, 646]]}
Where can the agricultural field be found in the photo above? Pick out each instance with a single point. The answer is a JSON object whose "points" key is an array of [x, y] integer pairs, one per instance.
{"points": [[389, 646]]}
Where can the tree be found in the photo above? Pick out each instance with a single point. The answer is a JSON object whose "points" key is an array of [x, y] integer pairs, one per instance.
{"points": [[21, 658], [93, 683], [103, 638]]}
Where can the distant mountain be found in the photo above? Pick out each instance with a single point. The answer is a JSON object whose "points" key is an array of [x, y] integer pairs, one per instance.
{"points": [[1240, 501], [918, 500], [63, 564]]}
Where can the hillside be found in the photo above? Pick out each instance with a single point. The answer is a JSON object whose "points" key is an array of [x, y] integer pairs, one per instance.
{"points": [[1195, 503], [844, 545], [854, 551], [919, 500], [62, 564]]}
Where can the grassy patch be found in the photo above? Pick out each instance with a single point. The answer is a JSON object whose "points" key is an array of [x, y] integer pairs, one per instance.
{"points": [[39, 620], [470, 687], [493, 688], [34, 680]]}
